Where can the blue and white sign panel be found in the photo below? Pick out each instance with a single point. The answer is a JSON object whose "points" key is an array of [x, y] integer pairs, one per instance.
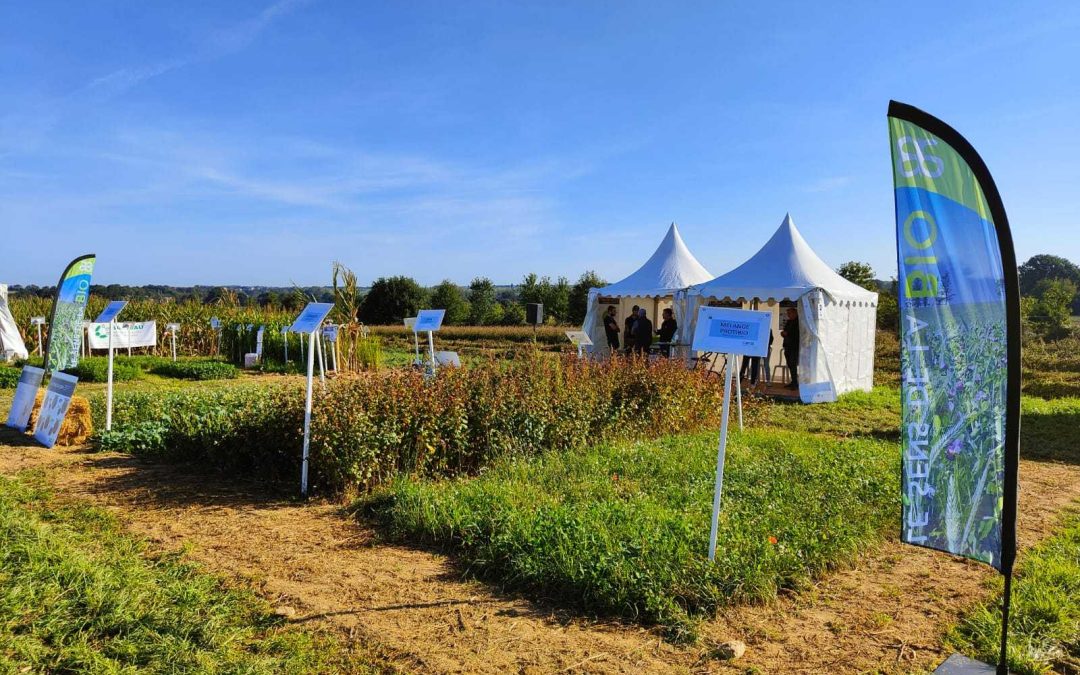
{"points": [[330, 333], [25, 393], [732, 331], [311, 317], [111, 311], [429, 319], [54, 408]]}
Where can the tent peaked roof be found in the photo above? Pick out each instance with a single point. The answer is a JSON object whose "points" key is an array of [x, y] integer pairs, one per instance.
{"points": [[785, 268], [671, 268]]}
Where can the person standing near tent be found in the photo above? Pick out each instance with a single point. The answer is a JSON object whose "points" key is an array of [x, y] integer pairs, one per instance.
{"points": [[753, 363], [611, 328], [791, 345], [643, 333], [628, 334], [667, 330]]}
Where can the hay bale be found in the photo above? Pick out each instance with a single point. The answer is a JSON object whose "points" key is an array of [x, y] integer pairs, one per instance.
{"points": [[78, 424]]}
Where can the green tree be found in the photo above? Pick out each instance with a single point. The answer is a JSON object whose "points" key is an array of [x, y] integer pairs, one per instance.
{"points": [[579, 296], [482, 301], [1044, 267], [1051, 313], [391, 299], [513, 313], [860, 274], [448, 296], [557, 299], [530, 290]]}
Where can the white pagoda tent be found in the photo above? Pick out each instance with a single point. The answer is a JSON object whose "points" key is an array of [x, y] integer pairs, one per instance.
{"points": [[653, 286], [11, 343], [837, 319]]}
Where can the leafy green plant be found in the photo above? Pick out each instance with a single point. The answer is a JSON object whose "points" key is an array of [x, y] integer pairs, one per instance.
{"points": [[96, 369], [196, 370], [9, 377]]}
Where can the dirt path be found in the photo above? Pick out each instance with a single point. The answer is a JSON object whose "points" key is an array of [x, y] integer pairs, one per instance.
{"points": [[318, 564]]}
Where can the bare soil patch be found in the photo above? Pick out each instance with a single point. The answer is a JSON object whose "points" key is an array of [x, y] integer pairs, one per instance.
{"points": [[319, 565]]}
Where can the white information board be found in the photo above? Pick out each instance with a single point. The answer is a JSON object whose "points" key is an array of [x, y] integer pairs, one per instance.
{"points": [[429, 320], [330, 333], [25, 393], [111, 311], [579, 338], [725, 330], [311, 317], [215, 322], [127, 335], [448, 359], [54, 408]]}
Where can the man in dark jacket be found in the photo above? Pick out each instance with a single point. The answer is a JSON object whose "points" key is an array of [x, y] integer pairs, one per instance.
{"points": [[643, 332], [791, 346], [667, 331], [628, 332], [611, 329]]}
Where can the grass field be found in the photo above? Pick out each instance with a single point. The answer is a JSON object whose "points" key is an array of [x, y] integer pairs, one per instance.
{"points": [[78, 595], [623, 528], [1044, 633]]}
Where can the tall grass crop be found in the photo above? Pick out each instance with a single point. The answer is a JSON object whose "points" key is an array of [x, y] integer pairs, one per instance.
{"points": [[370, 426], [623, 528]]}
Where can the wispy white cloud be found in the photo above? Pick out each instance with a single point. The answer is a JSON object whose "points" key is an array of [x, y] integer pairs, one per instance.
{"points": [[828, 184]]}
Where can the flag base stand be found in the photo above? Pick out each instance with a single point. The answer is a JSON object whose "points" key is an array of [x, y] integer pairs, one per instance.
{"points": [[962, 665]]}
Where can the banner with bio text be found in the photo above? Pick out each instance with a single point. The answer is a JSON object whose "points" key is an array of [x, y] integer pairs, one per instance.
{"points": [[138, 334], [959, 329], [65, 327]]}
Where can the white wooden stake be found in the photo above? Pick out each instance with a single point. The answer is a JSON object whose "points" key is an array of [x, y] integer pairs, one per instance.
{"points": [[307, 412], [322, 360], [108, 387], [431, 345], [173, 345], [738, 387], [720, 454], [416, 339], [39, 339]]}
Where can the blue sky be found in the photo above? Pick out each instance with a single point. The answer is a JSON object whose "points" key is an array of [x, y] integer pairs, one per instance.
{"points": [[255, 142]]}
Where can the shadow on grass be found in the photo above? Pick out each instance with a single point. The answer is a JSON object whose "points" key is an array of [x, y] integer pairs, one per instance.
{"points": [[1052, 436]]}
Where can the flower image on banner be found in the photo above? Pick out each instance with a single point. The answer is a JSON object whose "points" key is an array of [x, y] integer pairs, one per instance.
{"points": [[959, 473], [65, 327]]}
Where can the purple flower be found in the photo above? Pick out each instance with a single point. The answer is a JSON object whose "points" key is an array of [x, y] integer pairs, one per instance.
{"points": [[981, 396], [954, 448]]}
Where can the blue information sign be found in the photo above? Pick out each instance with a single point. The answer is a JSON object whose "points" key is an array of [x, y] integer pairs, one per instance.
{"points": [[111, 311], [732, 331], [429, 319], [311, 317]]}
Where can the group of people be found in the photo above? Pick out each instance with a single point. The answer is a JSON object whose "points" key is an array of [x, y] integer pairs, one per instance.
{"points": [[638, 331]]}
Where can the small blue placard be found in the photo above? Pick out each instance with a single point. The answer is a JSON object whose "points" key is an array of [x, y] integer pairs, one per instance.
{"points": [[429, 319], [311, 317], [111, 311], [215, 322], [732, 331]]}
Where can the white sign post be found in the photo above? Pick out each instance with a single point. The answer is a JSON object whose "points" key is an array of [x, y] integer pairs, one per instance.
{"points": [[285, 337], [410, 324], [430, 320], [330, 332], [173, 328], [734, 332], [108, 315], [38, 321], [308, 322], [579, 339]]}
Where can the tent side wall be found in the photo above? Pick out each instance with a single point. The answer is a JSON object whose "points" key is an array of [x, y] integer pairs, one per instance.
{"points": [[11, 342], [836, 352]]}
